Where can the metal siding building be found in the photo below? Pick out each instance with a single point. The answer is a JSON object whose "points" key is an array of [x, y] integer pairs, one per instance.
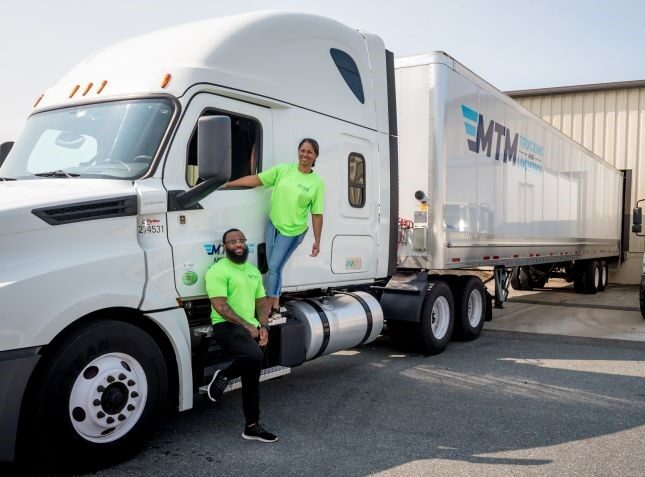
{"points": [[608, 119]]}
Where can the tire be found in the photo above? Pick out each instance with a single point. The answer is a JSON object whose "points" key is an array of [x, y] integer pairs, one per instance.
{"points": [[470, 302], [641, 297], [595, 277], [101, 392], [604, 275], [515, 279], [521, 279], [437, 319], [587, 278], [431, 334]]}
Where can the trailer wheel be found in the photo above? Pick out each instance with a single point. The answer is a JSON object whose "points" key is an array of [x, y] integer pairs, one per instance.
{"points": [[604, 275], [515, 280], [101, 393], [521, 279], [470, 308], [587, 277], [641, 297]]}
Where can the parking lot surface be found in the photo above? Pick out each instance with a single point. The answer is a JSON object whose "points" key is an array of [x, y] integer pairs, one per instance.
{"points": [[558, 310], [520, 400], [505, 404]]}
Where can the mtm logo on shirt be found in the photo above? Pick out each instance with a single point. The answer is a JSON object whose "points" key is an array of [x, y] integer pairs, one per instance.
{"points": [[303, 187]]}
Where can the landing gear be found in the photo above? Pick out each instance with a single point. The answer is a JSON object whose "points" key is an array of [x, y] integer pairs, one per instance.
{"points": [[502, 280]]}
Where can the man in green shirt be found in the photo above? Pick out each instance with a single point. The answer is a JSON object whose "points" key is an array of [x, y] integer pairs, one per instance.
{"points": [[236, 292]]}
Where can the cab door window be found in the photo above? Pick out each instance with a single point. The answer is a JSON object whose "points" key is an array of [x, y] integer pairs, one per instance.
{"points": [[245, 148]]}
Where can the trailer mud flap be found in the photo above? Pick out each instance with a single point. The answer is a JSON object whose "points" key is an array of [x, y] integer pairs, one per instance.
{"points": [[403, 297]]}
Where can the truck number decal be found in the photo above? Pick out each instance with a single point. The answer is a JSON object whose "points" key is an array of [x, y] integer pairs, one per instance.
{"points": [[150, 229]]}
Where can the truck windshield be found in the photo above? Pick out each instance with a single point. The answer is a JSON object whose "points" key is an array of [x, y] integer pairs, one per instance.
{"points": [[116, 140]]}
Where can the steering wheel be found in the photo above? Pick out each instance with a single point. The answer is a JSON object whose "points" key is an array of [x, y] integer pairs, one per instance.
{"points": [[141, 158], [109, 161]]}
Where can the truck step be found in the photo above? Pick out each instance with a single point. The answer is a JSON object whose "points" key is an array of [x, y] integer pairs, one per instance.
{"points": [[205, 330], [268, 373]]}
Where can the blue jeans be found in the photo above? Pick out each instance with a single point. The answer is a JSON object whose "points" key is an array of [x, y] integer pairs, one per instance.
{"points": [[279, 248]]}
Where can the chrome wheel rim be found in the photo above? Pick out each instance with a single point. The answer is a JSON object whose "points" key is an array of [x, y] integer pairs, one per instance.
{"points": [[108, 398], [596, 277], [440, 317], [475, 308]]}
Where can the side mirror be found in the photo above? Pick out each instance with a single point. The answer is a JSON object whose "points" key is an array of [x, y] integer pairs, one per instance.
{"points": [[637, 219], [5, 147], [213, 160], [214, 147]]}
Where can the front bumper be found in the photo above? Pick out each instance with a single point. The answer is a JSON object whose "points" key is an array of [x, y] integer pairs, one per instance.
{"points": [[16, 367]]}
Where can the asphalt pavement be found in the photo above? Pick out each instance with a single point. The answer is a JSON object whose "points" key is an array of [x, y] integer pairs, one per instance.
{"points": [[506, 404]]}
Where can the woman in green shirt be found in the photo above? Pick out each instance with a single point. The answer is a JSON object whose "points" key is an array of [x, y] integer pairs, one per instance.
{"points": [[297, 191]]}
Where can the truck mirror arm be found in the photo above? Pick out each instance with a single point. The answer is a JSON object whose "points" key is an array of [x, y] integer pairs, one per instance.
{"points": [[189, 199], [5, 148]]}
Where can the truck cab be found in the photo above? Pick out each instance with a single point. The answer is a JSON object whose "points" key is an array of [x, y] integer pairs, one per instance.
{"points": [[111, 211]]}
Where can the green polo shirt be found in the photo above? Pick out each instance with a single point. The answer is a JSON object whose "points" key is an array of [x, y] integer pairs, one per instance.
{"points": [[241, 284], [294, 195]]}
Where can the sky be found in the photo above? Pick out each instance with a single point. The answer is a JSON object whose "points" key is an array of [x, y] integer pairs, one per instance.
{"points": [[513, 44]]}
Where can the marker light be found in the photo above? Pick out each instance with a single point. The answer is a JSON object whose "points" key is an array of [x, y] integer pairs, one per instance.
{"points": [[88, 88], [74, 90], [166, 79], [103, 84]]}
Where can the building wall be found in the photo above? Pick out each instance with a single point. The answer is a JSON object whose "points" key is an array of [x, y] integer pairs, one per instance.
{"points": [[611, 123]]}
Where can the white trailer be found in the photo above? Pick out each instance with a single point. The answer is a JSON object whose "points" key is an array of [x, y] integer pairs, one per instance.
{"points": [[111, 215], [492, 185]]}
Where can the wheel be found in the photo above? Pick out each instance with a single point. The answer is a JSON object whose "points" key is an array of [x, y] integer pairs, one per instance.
{"points": [[524, 276], [515, 279], [521, 279], [437, 319], [641, 297], [470, 308], [587, 278], [101, 392], [604, 275], [108, 162], [431, 334], [145, 158]]}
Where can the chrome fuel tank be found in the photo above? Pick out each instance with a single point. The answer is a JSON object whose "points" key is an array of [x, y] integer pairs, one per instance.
{"points": [[339, 322]]}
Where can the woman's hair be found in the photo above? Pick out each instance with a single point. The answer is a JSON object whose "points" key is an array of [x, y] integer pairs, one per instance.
{"points": [[314, 145]]}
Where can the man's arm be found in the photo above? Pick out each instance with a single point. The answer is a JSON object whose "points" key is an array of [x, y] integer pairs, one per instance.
{"points": [[221, 306], [262, 307]]}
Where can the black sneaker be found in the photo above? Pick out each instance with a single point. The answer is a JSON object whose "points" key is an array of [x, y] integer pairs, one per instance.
{"points": [[258, 433], [217, 386]]}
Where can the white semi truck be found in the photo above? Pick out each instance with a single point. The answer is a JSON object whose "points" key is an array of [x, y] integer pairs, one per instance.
{"points": [[111, 214]]}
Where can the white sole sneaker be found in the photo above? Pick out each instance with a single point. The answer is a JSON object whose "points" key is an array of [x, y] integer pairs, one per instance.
{"points": [[257, 438], [208, 389]]}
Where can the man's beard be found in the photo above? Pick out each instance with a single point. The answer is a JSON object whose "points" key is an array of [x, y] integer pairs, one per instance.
{"points": [[235, 258]]}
